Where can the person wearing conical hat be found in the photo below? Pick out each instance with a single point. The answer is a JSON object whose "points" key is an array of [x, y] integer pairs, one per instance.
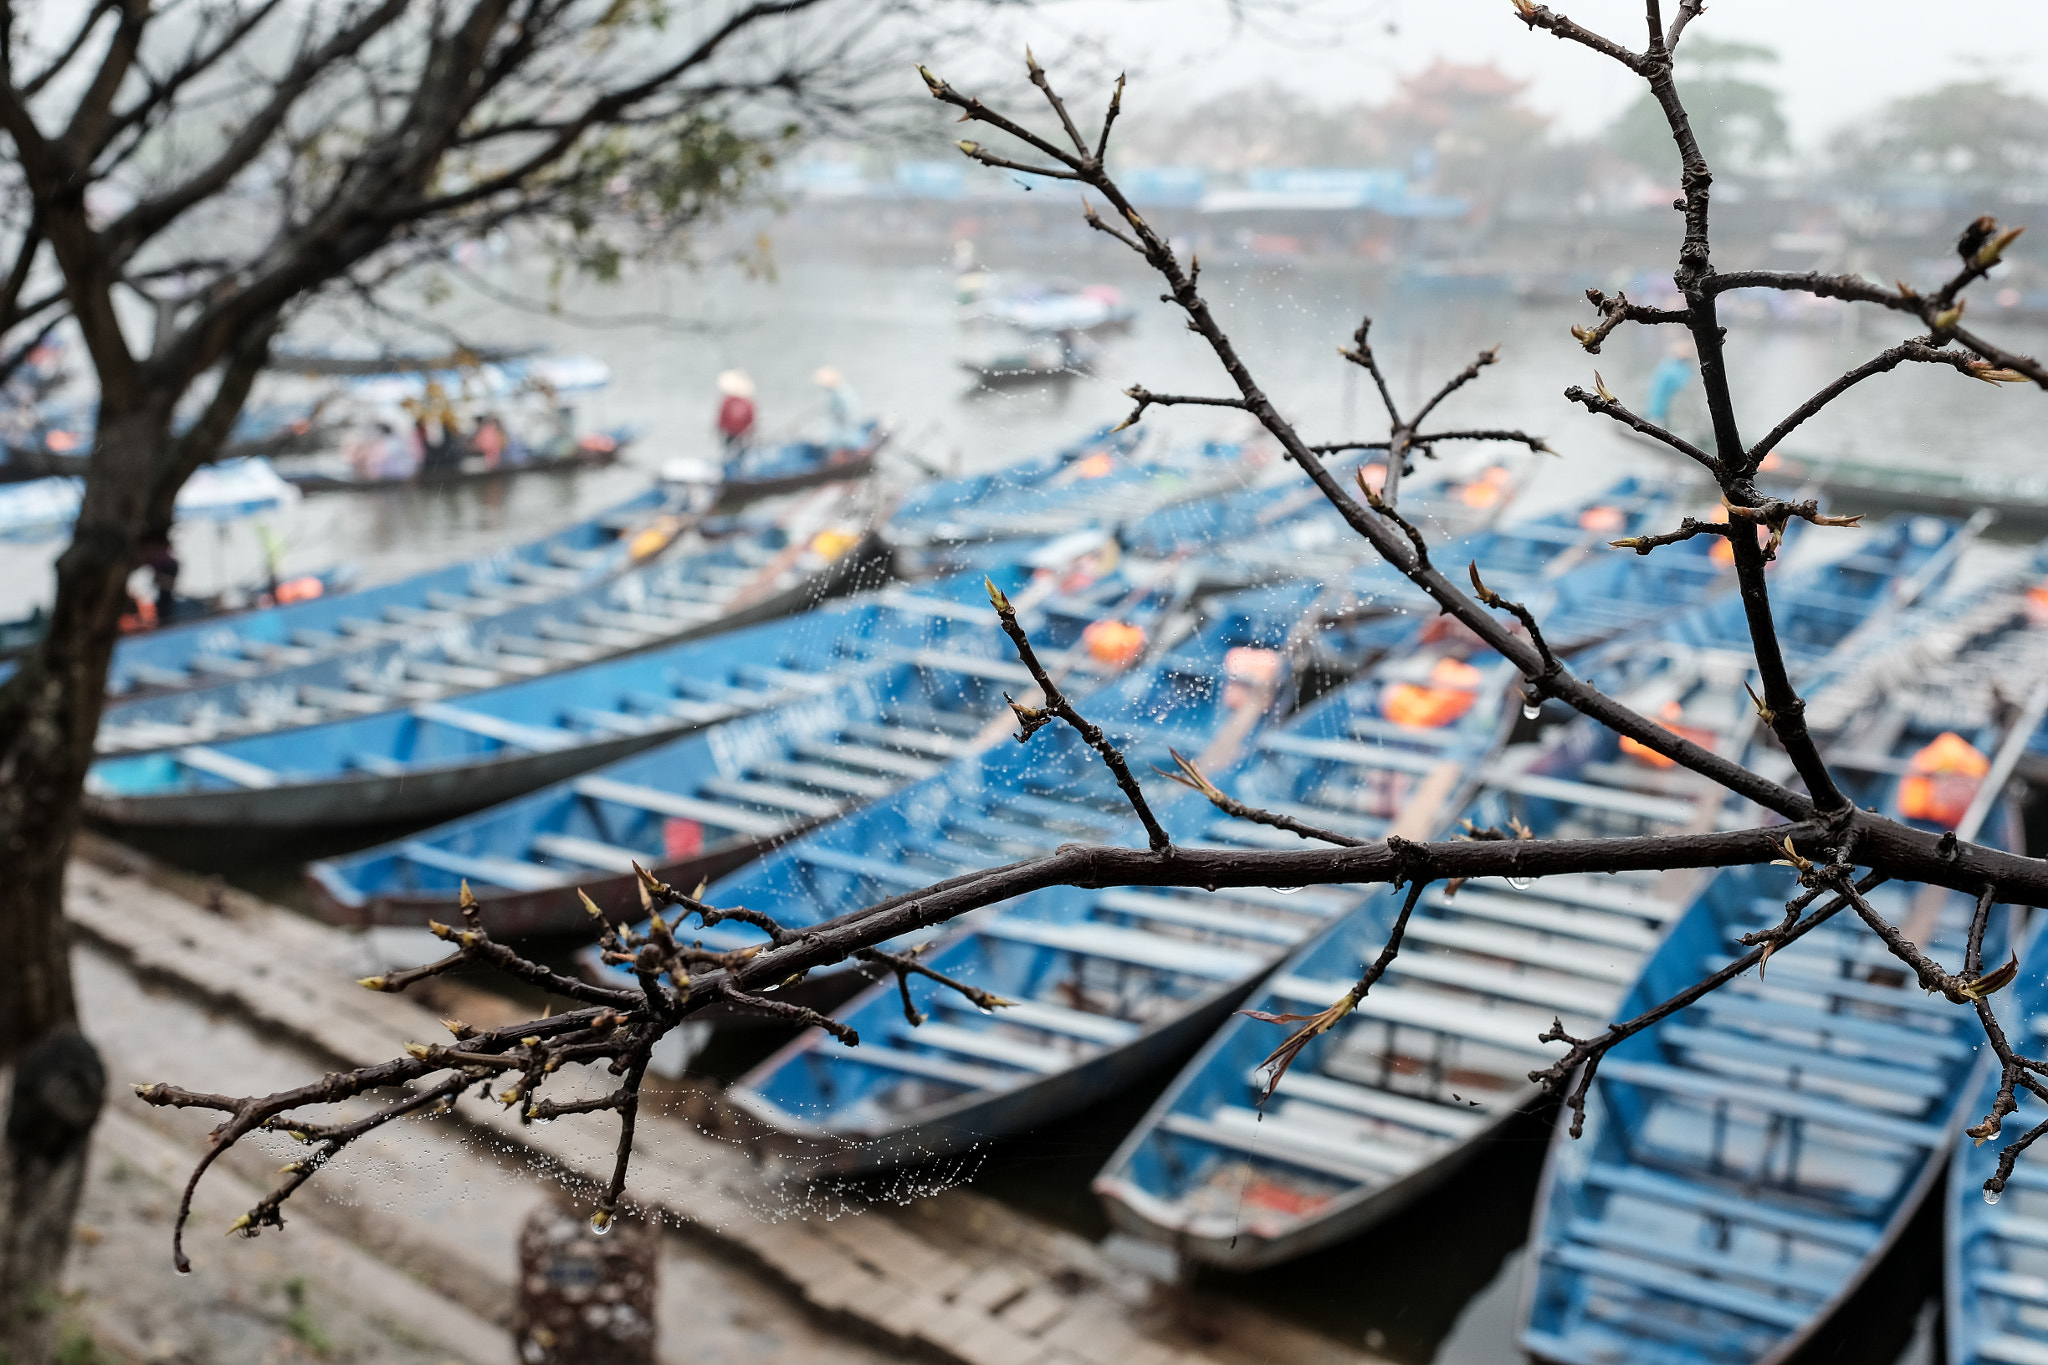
{"points": [[736, 410], [841, 408]]}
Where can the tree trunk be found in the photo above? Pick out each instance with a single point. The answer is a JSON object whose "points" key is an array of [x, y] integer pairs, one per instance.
{"points": [[49, 712]]}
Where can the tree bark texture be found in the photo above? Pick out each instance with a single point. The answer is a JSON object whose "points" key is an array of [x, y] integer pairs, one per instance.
{"points": [[49, 712], [54, 1097]]}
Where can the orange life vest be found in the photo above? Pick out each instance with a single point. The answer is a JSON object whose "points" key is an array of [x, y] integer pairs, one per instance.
{"points": [[1116, 643], [1452, 689], [1942, 780]]}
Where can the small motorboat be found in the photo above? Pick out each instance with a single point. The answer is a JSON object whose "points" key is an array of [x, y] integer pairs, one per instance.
{"points": [[1041, 306], [1001, 355]]}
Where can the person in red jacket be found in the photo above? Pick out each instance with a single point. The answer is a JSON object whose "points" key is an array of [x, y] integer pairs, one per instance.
{"points": [[736, 411]]}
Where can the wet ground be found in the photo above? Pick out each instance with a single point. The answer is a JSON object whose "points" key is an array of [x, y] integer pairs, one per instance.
{"points": [[400, 1253]]}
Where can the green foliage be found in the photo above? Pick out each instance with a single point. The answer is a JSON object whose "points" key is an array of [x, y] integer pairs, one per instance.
{"points": [[78, 1348], [300, 1322], [634, 192], [1737, 120], [1974, 134]]}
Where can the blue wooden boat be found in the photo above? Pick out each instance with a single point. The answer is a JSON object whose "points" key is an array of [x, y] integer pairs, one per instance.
{"points": [[53, 439], [178, 657], [1994, 1245], [766, 471], [378, 651], [1993, 1281], [1383, 1109], [1748, 1161], [1108, 478], [1558, 565], [438, 758], [1178, 960], [921, 675], [1283, 527], [1111, 984]]}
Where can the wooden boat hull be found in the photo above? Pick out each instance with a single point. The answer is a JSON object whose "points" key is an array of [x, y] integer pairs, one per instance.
{"points": [[2020, 502], [1134, 1211], [582, 460], [1570, 1155], [976, 1119], [739, 492], [1750, 1162], [1026, 376], [520, 914], [391, 767], [1865, 1296], [417, 795], [180, 658], [1084, 485], [893, 688], [257, 706], [1989, 1258]]}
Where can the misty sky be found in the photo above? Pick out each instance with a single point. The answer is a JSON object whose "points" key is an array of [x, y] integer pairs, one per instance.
{"points": [[1838, 59]]}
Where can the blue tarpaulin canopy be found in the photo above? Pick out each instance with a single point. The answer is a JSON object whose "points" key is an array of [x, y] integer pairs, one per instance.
{"points": [[41, 509]]}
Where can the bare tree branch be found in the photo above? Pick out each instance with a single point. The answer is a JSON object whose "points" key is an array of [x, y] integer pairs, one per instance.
{"points": [[1032, 719]]}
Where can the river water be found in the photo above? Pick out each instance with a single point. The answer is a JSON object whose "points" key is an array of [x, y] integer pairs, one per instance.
{"points": [[1442, 1284], [885, 317]]}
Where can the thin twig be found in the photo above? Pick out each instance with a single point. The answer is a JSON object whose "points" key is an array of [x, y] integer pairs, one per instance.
{"points": [[1188, 775], [1607, 405], [1282, 1057], [1056, 704]]}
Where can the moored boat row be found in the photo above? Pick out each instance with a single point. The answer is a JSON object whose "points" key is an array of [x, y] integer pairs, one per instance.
{"points": [[876, 693], [377, 652], [1750, 1160], [1745, 1162], [181, 657]]}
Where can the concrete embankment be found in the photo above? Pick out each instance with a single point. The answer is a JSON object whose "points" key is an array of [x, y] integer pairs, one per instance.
{"points": [[213, 990]]}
